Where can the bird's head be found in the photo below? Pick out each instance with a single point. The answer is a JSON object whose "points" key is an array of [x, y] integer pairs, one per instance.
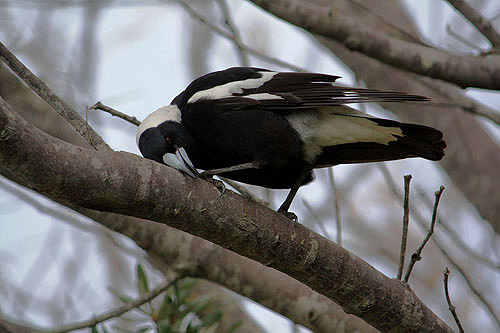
{"points": [[161, 137]]}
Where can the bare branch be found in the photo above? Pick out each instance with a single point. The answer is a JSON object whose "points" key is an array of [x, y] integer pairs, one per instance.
{"points": [[478, 20], [322, 18], [489, 308], [416, 256], [236, 34], [51, 98], [406, 220], [126, 184], [462, 39], [116, 113], [338, 222], [452, 308], [147, 297]]}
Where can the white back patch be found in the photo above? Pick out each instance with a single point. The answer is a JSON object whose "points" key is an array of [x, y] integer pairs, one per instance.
{"points": [[228, 89], [155, 118]]}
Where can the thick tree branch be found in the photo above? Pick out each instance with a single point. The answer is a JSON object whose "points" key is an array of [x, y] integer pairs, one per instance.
{"points": [[325, 20], [478, 20], [124, 183]]}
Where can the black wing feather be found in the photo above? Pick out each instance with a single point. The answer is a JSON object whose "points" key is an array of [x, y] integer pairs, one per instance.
{"points": [[309, 90]]}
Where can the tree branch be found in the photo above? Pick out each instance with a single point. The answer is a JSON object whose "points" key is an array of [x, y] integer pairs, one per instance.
{"points": [[404, 233], [315, 17], [124, 183], [478, 20], [116, 312], [416, 256], [452, 308], [51, 98]]}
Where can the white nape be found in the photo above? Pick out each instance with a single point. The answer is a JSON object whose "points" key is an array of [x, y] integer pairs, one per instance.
{"points": [[155, 118]]}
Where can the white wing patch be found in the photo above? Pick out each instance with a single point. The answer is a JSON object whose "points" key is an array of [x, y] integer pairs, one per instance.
{"points": [[155, 118], [324, 129], [228, 89]]}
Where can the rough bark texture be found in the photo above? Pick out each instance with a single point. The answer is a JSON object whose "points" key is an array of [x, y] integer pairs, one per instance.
{"points": [[124, 183], [323, 18]]}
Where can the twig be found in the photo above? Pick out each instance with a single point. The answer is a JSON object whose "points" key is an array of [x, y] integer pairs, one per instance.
{"points": [[475, 291], [337, 206], [453, 235], [316, 217], [147, 297], [51, 98], [116, 113], [230, 37], [236, 34], [462, 39], [452, 308], [416, 256], [406, 220], [478, 20], [460, 100]]}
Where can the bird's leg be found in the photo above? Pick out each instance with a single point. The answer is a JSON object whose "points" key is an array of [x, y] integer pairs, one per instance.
{"points": [[293, 191], [207, 175], [243, 166]]}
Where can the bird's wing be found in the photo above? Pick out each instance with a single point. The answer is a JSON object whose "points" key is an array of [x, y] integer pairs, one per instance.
{"points": [[245, 87]]}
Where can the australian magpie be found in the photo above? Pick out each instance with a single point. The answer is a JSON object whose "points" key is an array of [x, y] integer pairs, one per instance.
{"points": [[271, 129]]}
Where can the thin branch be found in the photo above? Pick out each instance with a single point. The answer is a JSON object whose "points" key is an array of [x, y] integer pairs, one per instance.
{"points": [[51, 98], [147, 297], [478, 20], [319, 221], [236, 34], [468, 281], [338, 222], [416, 256], [453, 235], [462, 39], [459, 99], [406, 220], [115, 113], [230, 37], [452, 308]]}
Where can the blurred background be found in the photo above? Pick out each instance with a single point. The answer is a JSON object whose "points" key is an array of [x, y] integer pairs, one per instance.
{"points": [[58, 267]]}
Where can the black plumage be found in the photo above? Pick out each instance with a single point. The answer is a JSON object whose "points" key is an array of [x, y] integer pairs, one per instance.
{"points": [[271, 129]]}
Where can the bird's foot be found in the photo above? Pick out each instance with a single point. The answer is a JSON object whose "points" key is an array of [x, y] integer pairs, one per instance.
{"points": [[289, 215], [217, 183]]}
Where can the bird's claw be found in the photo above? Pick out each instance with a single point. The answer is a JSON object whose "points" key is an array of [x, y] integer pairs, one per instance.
{"points": [[289, 215], [217, 183]]}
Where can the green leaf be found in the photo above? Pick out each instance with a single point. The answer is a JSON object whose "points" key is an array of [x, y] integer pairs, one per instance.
{"points": [[166, 308], [142, 280], [94, 329]]}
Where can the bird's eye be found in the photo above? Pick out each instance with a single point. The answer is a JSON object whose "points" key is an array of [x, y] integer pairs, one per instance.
{"points": [[169, 141]]}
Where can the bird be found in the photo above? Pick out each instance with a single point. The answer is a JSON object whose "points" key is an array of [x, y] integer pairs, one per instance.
{"points": [[271, 129]]}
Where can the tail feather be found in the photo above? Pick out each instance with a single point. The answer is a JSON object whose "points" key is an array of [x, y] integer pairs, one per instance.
{"points": [[414, 141]]}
